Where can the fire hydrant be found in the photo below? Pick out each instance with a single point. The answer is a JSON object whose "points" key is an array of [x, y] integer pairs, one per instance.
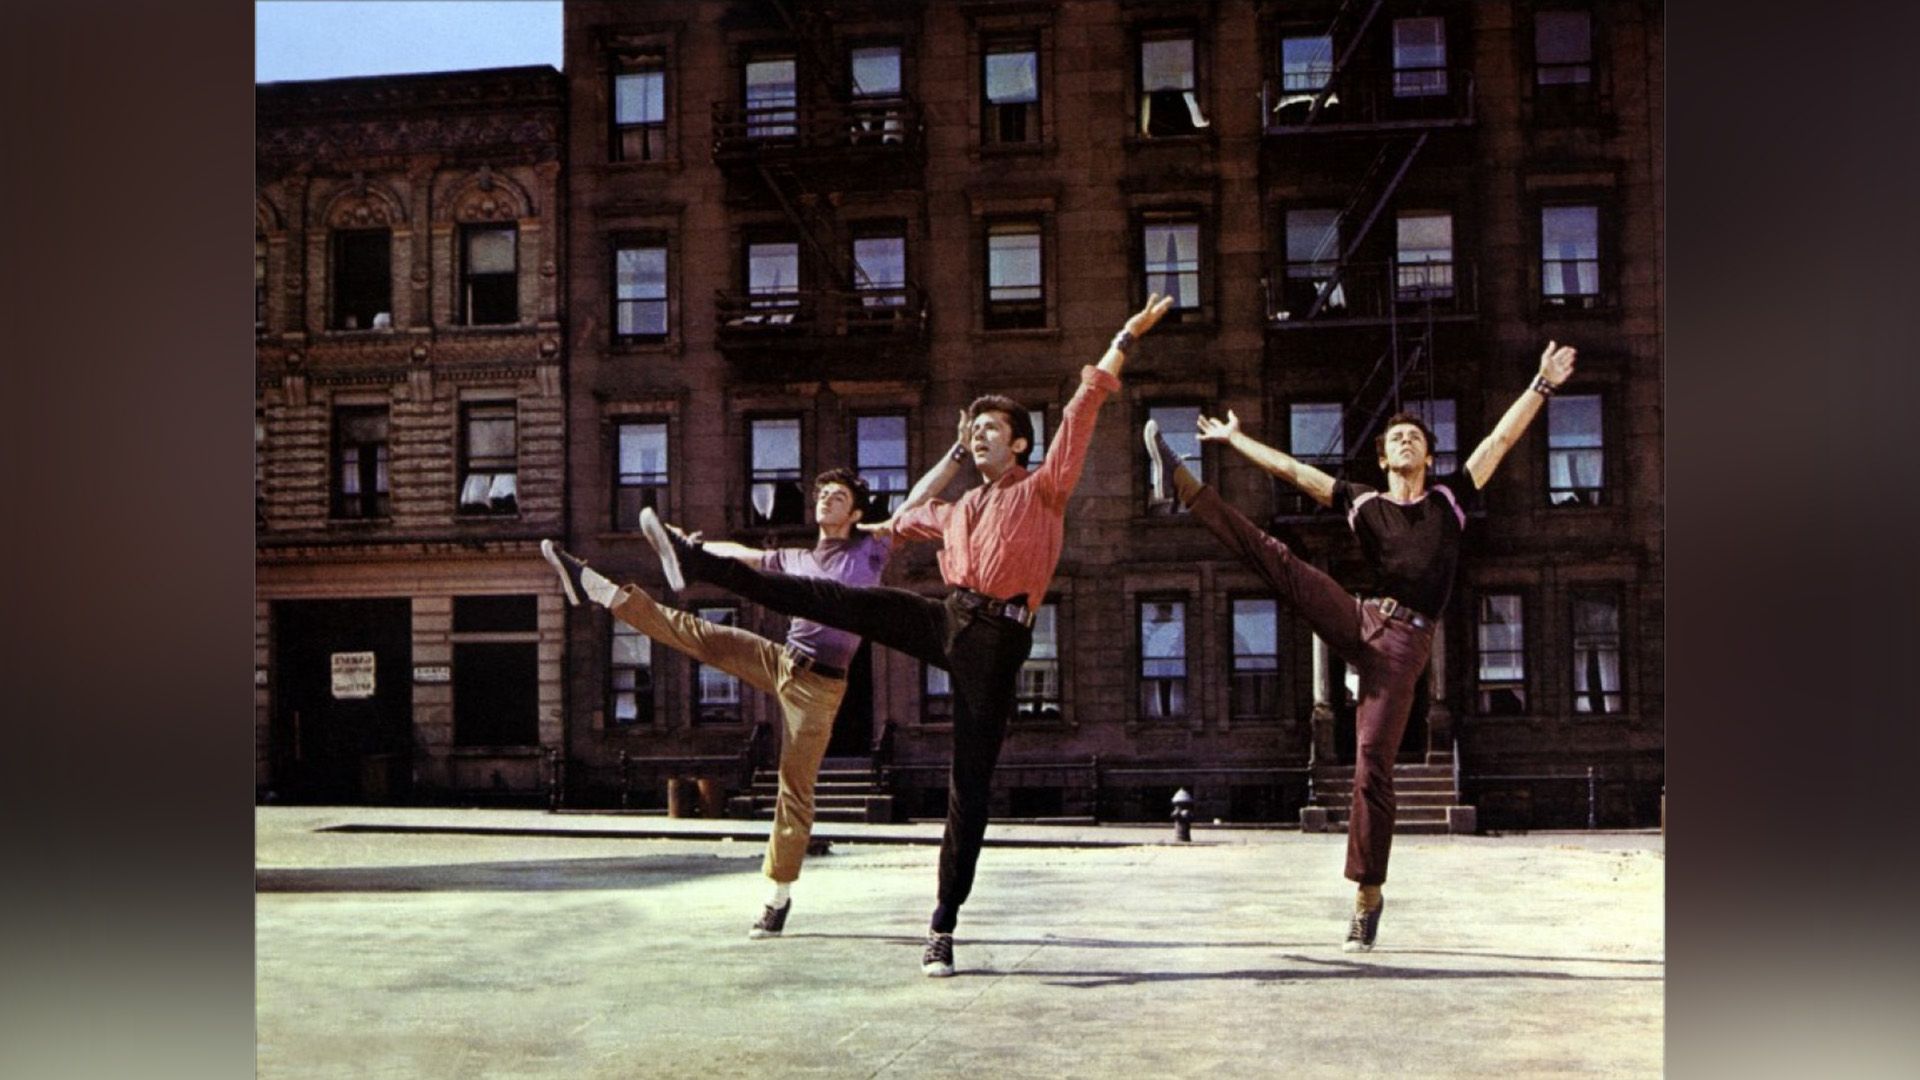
{"points": [[1182, 816]]}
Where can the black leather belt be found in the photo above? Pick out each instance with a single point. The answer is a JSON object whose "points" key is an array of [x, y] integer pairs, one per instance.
{"points": [[1015, 609], [807, 663], [1394, 609]]}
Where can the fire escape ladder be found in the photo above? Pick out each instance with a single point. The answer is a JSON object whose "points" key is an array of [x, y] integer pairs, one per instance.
{"points": [[1380, 201], [808, 225], [1353, 42], [808, 28]]}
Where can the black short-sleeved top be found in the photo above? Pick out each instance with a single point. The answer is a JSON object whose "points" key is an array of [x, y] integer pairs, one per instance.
{"points": [[1412, 547]]}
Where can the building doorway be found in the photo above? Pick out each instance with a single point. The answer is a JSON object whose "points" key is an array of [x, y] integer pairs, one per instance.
{"points": [[342, 678], [853, 724]]}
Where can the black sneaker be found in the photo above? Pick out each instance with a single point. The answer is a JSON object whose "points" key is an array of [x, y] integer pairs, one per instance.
{"points": [[771, 921], [568, 568], [937, 961], [662, 541], [1161, 460], [1361, 931]]}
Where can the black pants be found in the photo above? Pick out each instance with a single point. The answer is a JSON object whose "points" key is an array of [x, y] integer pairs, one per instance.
{"points": [[982, 652]]}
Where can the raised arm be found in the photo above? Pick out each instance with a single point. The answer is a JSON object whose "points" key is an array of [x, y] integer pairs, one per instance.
{"points": [[726, 549], [1298, 473], [934, 481], [1556, 365], [1137, 324]]}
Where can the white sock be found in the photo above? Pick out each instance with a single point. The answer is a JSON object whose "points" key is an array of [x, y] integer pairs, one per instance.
{"points": [[778, 898], [599, 589]]}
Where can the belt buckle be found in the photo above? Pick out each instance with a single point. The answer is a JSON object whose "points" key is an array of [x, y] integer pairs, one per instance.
{"points": [[1388, 605]]}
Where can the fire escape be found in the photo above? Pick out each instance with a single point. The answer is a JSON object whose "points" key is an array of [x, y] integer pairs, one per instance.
{"points": [[804, 133], [1361, 97]]}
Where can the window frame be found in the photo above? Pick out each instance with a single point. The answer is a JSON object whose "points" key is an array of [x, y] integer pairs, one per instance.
{"points": [[374, 505], [1022, 313], [1141, 111], [655, 135], [1179, 702], [717, 713], [1173, 216], [338, 292], [1031, 708], [1424, 87], [1032, 113], [935, 708], [1196, 462], [752, 517], [1556, 303], [1609, 596], [645, 241], [1290, 500], [1237, 710], [470, 411], [508, 280], [662, 500], [1485, 687], [778, 119], [886, 500], [642, 690], [1602, 493]]}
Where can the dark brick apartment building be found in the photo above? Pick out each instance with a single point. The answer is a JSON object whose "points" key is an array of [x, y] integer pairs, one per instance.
{"points": [[804, 234]]}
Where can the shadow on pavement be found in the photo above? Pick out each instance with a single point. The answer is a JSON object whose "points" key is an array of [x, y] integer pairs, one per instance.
{"points": [[962, 939], [1317, 971], [532, 876]]}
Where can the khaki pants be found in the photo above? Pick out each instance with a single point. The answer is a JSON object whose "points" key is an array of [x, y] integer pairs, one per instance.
{"points": [[808, 702]]}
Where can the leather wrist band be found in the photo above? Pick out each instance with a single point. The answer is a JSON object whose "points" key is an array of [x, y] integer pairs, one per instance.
{"points": [[1122, 341], [1541, 386], [959, 453]]}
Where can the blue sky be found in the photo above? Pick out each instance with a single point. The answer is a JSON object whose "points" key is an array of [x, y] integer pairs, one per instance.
{"points": [[325, 39]]}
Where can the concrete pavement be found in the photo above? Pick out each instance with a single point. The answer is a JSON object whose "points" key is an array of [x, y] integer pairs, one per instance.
{"points": [[429, 943]]}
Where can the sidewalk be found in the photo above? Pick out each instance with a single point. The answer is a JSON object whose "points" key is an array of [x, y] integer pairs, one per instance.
{"points": [[429, 943]]}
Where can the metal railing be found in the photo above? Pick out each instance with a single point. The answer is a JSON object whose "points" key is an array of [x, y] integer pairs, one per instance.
{"points": [[1402, 98], [897, 311], [1370, 291], [891, 125]]}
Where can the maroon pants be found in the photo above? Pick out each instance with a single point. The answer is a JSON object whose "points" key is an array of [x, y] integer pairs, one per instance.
{"points": [[1389, 653]]}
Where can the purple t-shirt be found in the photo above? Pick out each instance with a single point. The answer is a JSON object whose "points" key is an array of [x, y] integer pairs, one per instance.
{"points": [[858, 560]]}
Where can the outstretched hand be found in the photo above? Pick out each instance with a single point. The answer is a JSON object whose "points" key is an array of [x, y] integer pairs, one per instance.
{"points": [[1142, 321], [1556, 363], [877, 527], [1212, 430], [689, 537], [962, 429]]}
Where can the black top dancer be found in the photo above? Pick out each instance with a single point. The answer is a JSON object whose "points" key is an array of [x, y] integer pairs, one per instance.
{"points": [[1410, 535]]}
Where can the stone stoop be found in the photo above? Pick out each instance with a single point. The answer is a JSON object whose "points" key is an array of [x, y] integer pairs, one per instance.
{"points": [[1425, 801], [839, 794]]}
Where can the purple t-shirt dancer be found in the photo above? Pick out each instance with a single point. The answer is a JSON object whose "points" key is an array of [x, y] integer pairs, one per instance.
{"points": [[858, 560]]}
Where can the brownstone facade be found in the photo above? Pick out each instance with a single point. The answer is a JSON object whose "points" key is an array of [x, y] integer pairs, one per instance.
{"points": [[409, 431], [805, 234]]}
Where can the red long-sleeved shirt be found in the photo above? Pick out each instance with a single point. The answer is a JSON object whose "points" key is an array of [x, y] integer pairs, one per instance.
{"points": [[1004, 538]]}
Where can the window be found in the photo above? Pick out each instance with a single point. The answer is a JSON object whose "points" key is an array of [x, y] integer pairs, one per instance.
{"points": [[880, 270], [360, 458], [936, 695], [716, 693], [1163, 659], [1255, 690], [1317, 437], [1562, 49], [1169, 99], [631, 665], [771, 98], [1170, 249], [641, 448], [880, 457], [640, 291], [774, 487], [1596, 653], [1420, 57], [1313, 252], [1179, 426], [1038, 452], [1306, 67], [495, 682], [1015, 295], [874, 72], [1570, 256], [362, 277], [773, 278], [489, 281], [1039, 686], [259, 469], [489, 473], [1423, 257], [1503, 655], [1010, 113], [1576, 462], [259, 284], [640, 112], [1439, 416]]}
